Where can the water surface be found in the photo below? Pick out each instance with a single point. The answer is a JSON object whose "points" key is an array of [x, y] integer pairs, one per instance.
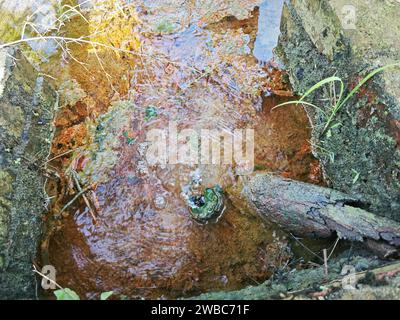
{"points": [[194, 65]]}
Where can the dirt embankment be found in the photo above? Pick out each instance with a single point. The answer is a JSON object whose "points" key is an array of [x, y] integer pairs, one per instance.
{"points": [[26, 114], [360, 153]]}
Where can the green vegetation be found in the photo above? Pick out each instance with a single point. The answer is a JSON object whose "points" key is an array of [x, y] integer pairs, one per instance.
{"points": [[150, 113], [68, 294], [165, 27], [337, 101], [106, 295]]}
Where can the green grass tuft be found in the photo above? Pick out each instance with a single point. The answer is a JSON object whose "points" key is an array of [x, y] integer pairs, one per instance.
{"points": [[339, 101]]}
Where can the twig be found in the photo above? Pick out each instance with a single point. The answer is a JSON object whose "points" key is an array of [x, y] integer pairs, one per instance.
{"points": [[60, 155], [81, 192], [305, 247], [325, 253], [334, 247], [69, 39], [83, 196], [109, 78], [81, 40], [46, 277]]}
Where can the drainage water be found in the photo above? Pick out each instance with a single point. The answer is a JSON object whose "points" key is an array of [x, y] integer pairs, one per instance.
{"points": [[194, 69]]}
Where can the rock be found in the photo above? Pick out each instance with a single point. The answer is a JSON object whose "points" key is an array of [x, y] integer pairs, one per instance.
{"points": [[360, 156], [207, 206], [159, 202], [26, 113], [313, 284]]}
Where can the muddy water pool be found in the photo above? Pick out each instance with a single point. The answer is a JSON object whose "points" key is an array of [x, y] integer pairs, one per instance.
{"points": [[192, 68]]}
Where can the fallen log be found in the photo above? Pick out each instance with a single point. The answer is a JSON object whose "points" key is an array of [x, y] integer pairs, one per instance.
{"points": [[311, 210]]}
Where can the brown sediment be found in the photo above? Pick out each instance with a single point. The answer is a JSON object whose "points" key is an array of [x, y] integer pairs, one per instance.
{"points": [[97, 75], [281, 141], [70, 138], [139, 246], [101, 72], [172, 260]]}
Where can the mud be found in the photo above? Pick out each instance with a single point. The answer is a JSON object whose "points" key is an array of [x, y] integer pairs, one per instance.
{"points": [[143, 242], [193, 66]]}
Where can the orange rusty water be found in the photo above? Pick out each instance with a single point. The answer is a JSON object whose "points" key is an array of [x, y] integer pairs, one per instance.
{"points": [[144, 243]]}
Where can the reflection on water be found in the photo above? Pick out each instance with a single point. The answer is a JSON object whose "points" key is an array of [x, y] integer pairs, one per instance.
{"points": [[268, 29], [193, 66]]}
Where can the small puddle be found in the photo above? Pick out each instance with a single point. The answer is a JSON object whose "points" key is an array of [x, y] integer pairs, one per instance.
{"points": [[195, 69]]}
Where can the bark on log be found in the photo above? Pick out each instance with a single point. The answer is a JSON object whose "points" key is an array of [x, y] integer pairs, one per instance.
{"points": [[310, 210]]}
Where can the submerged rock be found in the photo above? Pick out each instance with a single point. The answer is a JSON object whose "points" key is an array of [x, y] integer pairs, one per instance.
{"points": [[166, 17], [208, 206]]}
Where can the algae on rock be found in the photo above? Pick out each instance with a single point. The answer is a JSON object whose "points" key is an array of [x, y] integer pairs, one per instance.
{"points": [[26, 114]]}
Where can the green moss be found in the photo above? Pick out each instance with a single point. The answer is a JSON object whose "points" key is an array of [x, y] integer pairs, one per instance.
{"points": [[12, 119], [21, 185], [6, 181], [166, 27], [9, 26], [105, 134], [293, 280], [150, 113], [364, 142], [208, 206]]}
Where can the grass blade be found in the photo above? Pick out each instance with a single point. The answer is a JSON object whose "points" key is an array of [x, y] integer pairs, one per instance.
{"points": [[339, 105], [322, 83], [299, 102], [363, 81]]}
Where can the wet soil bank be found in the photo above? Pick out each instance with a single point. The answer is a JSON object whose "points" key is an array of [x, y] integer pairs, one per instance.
{"points": [[27, 104], [360, 154]]}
